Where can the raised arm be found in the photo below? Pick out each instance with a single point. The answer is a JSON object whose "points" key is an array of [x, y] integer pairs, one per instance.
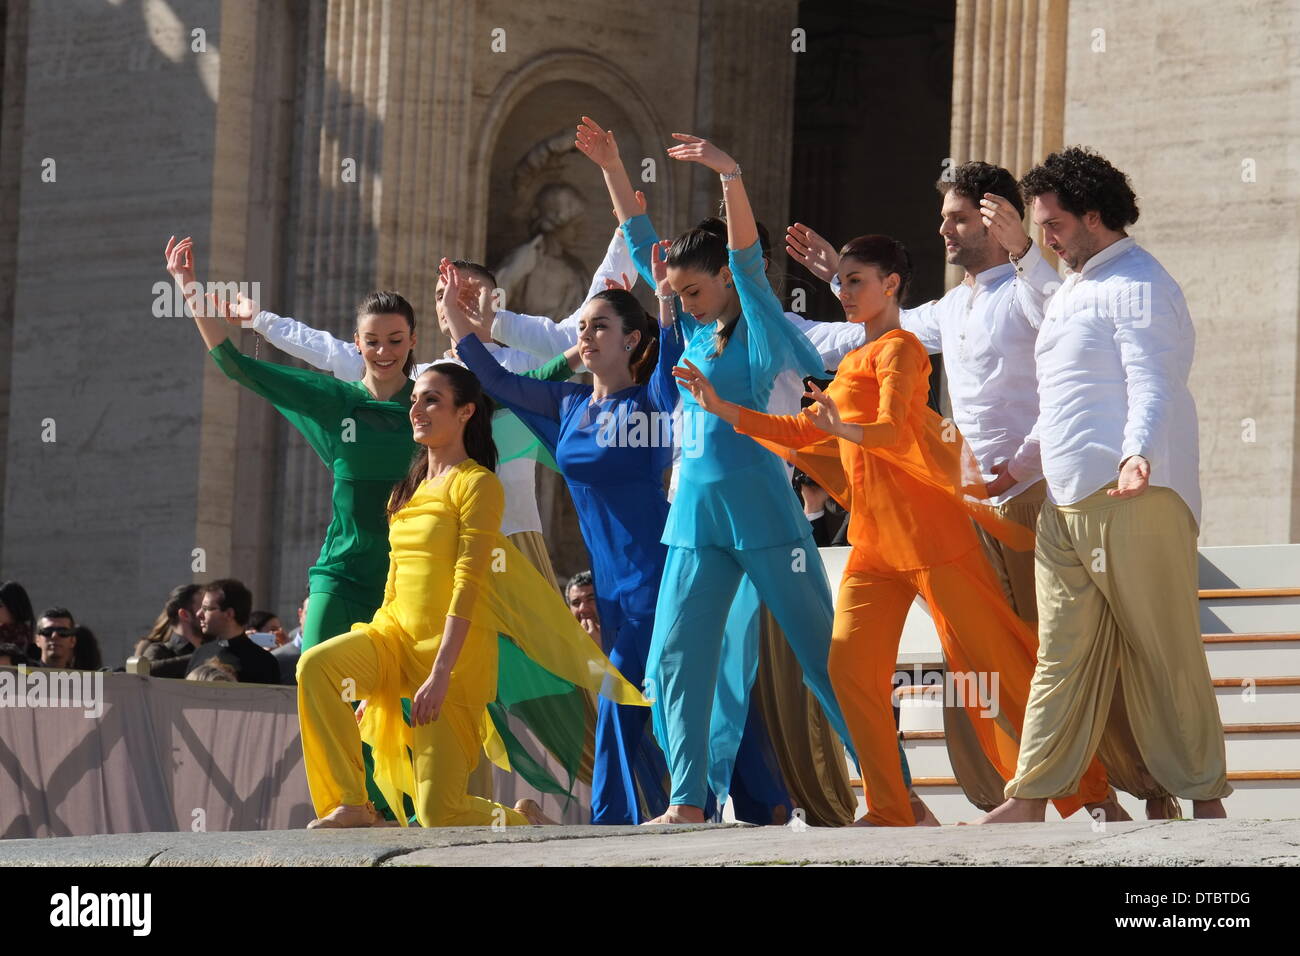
{"points": [[599, 146], [774, 344], [180, 266], [292, 389], [663, 387], [315, 347]]}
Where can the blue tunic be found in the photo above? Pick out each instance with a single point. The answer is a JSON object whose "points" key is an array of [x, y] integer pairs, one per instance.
{"points": [[719, 492], [612, 454]]}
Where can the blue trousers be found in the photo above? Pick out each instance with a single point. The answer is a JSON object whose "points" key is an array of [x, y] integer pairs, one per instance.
{"points": [[626, 758], [695, 599]]}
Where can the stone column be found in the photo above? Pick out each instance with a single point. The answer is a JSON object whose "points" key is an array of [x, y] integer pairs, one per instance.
{"points": [[1008, 84], [379, 193]]}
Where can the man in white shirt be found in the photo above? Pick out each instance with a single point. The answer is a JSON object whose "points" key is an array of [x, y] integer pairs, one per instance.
{"points": [[1116, 558], [985, 327]]}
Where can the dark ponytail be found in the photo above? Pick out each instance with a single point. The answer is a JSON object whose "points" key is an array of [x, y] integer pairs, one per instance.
{"points": [[479, 443], [704, 249], [886, 254], [642, 359], [390, 303]]}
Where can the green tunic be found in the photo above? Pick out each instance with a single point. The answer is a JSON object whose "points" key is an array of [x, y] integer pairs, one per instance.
{"points": [[367, 446]]}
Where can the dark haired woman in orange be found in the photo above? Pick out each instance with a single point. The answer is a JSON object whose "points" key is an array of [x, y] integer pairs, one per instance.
{"points": [[910, 485]]}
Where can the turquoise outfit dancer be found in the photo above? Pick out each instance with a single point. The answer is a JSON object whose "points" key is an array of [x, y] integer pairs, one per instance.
{"points": [[612, 450], [735, 513]]}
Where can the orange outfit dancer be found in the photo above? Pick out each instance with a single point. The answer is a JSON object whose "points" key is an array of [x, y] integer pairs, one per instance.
{"points": [[909, 483]]}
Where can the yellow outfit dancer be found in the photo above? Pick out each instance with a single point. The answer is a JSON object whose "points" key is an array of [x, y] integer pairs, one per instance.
{"points": [[448, 559]]}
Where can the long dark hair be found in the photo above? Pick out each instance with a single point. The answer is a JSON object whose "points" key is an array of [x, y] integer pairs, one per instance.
{"points": [[14, 596], [479, 443], [886, 254], [635, 319], [390, 303], [704, 248]]}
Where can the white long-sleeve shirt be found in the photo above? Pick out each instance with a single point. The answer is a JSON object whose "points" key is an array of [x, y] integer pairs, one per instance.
{"points": [[324, 351], [1113, 357], [986, 330]]}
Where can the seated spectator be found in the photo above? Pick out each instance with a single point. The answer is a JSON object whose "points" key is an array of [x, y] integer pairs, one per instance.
{"points": [[223, 615], [267, 622], [287, 653], [580, 593], [214, 670], [11, 655], [17, 621], [57, 639], [295, 636], [176, 631]]}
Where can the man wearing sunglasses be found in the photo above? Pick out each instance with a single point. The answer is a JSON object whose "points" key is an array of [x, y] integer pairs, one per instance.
{"points": [[55, 637]]}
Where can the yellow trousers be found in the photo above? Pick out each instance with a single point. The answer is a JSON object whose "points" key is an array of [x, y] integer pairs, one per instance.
{"points": [[1116, 581], [445, 751]]}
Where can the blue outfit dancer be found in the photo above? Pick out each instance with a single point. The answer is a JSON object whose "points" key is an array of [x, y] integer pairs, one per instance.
{"points": [[612, 452]]}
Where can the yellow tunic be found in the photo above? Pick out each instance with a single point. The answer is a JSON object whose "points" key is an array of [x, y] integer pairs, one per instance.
{"points": [[448, 558]]}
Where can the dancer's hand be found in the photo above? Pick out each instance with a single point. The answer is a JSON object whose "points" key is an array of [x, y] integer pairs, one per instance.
{"points": [[659, 266], [239, 313], [640, 206], [694, 149], [180, 261], [823, 412], [1133, 478], [1003, 482], [625, 285], [598, 144], [456, 293], [816, 254], [1004, 225], [693, 380], [426, 705]]}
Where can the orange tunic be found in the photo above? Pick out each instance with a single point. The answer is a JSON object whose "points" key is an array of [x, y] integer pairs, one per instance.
{"points": [[910, 485]]}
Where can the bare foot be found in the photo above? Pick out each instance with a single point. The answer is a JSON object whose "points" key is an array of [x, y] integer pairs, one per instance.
{"points": [[677, 813], [924, 818], [533, 812], [1164, 808], [1016, 810], [346, 816], [1111, 811], [1209, 810]]}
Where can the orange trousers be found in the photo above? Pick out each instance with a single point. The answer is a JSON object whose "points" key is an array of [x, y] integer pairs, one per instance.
{"points": [[981, 637]]}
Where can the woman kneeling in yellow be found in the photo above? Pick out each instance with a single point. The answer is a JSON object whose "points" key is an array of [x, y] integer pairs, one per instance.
{"points": [[454, 583]]}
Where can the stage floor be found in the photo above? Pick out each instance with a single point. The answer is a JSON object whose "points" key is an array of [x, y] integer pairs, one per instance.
{"points": [[1165, 843]]}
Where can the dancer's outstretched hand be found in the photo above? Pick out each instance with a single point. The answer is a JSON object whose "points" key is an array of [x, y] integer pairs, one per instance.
{"points": [[597, 144], [816, 254], [426, 705], [239, 313], [694, 149], [180, 261], [458, 298], [625, 285], [659, 266], [1004, 225], [701, 389], [823, 411]]}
